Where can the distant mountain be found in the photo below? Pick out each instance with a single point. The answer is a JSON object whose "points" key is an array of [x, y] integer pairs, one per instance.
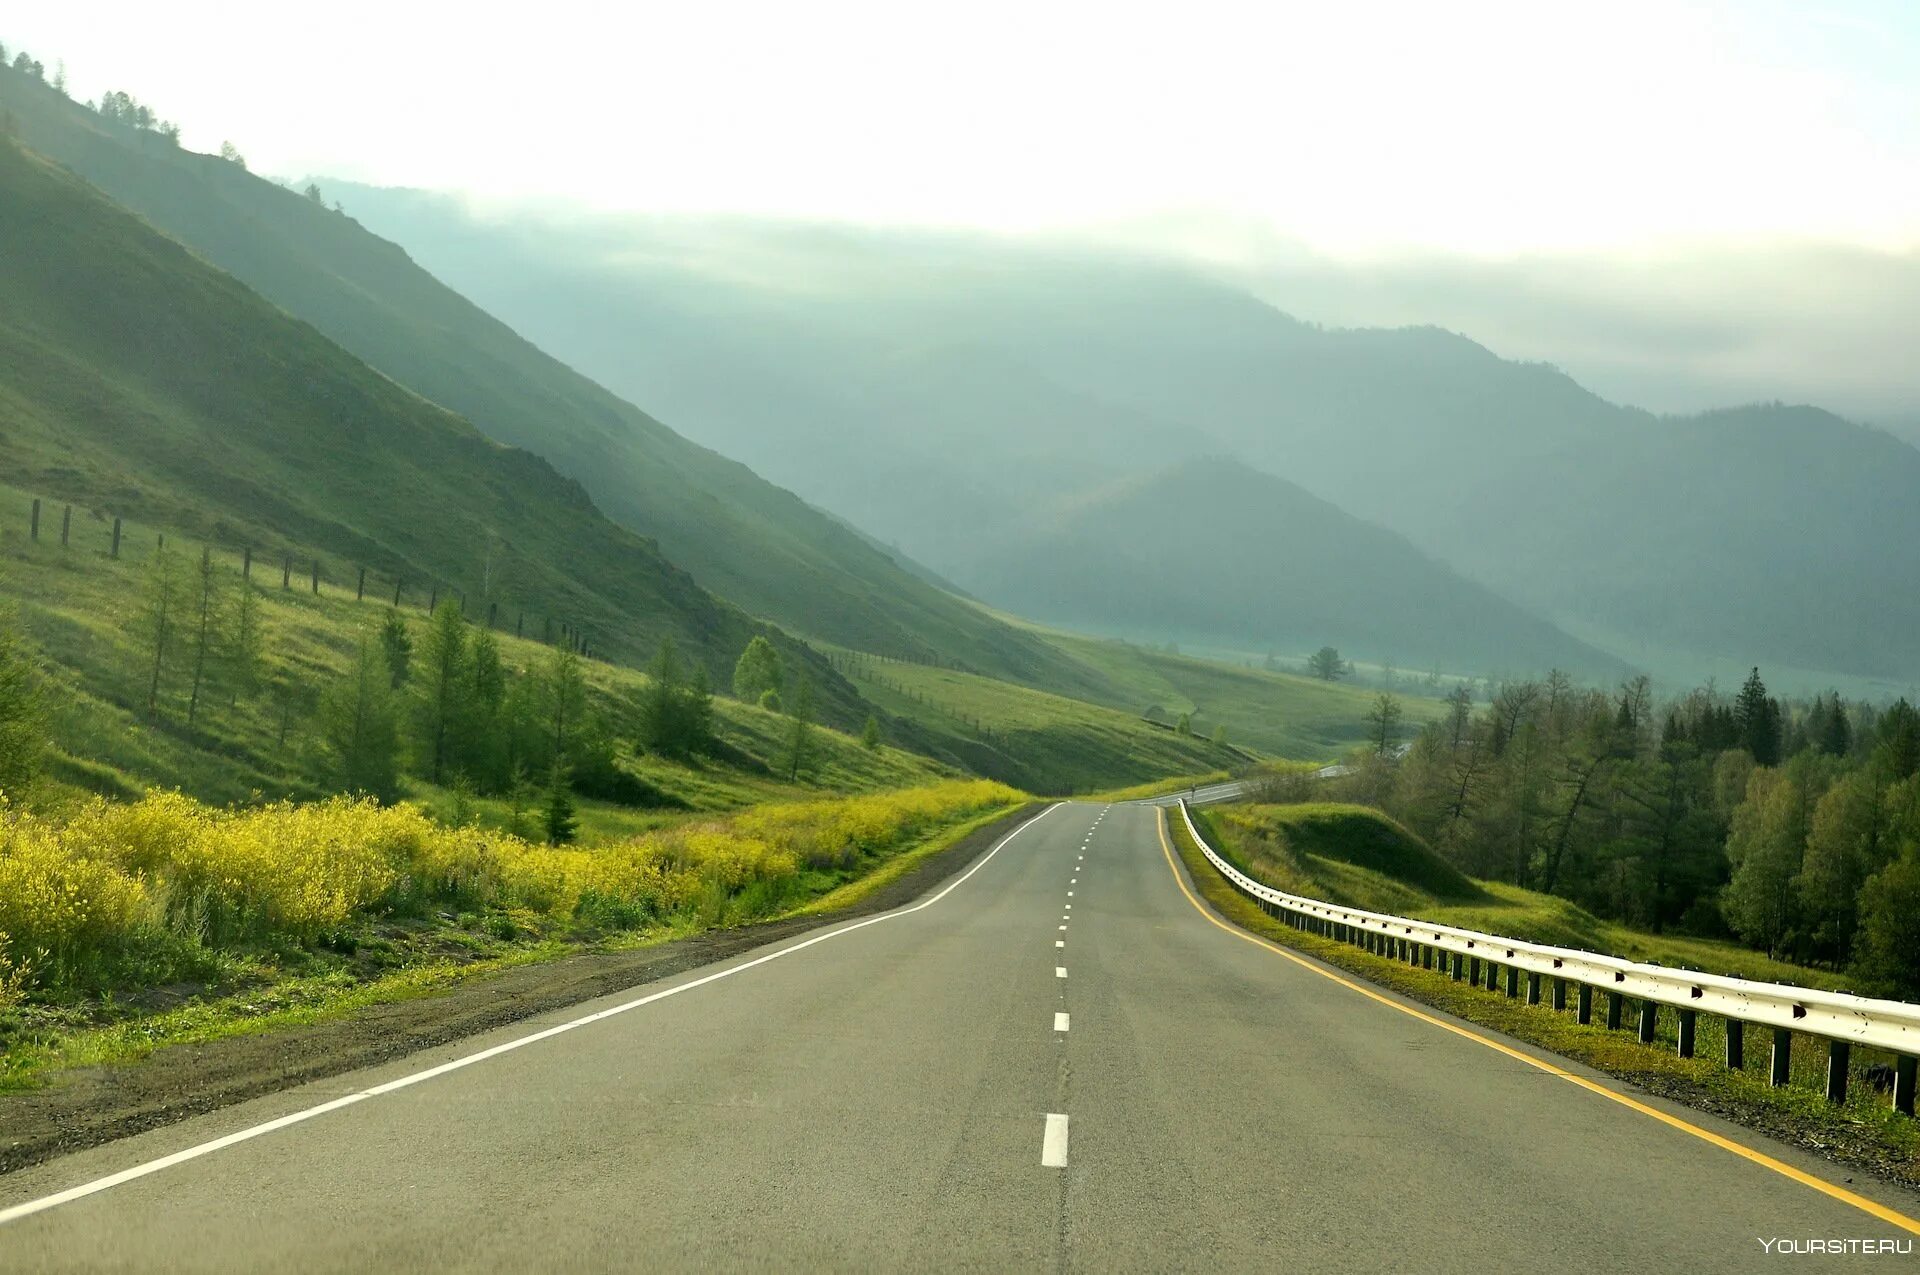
{"points": [[838, 361], [742, 537], [1208, 551], [139, 380]]}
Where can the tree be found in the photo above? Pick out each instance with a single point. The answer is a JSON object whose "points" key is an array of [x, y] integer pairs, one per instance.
{"points": [[1384, 723], [22, 715], [675, 712], [1220, 735], [1327, 665], [1847, 842], [870, 734], [1897, 750], [397, 644], [563, 703], [313, 194], [758, 673], [440, 691], [559, 818], [360, 725], [1185, 725], [158, 618], [208, 617], [245, 657], [1889, 948], [231, 153], [1758, 717], [800, 741]]}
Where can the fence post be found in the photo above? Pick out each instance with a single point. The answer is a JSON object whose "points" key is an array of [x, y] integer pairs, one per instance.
{"points": [[493, 609], [1781, 1069], [33, 523], [1583, 1005], [396, 591], [1736, 1045], [66, 525], [316, 577], [286, 571], [360, 589], [433, 600], [520, 624], [1687, 1018], [116, 538], [1839, 1053], [246, 563]]}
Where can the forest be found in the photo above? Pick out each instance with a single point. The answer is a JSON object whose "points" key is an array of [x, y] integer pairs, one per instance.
{"points": [[1794, 827]]}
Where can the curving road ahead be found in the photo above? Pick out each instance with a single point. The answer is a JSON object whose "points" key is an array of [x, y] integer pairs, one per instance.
{"points": [[1057, 1061]]}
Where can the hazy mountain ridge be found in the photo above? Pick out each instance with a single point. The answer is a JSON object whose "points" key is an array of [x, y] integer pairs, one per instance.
{"points": [[1697, 531], [742, 537]]}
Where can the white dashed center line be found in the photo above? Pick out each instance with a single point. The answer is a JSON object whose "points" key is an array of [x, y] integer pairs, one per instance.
{"points": [[1053, 1146], [1059, 1022], [1059, 971]]}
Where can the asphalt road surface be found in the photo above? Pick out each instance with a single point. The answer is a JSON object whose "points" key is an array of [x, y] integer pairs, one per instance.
{"points": [[1055, 1061]]}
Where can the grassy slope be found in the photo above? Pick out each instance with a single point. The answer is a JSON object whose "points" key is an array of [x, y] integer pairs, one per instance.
{"points": [[749, 541], [1276, 713], [1356, 856], [1042, 742], [140, 381], [76, 605]]}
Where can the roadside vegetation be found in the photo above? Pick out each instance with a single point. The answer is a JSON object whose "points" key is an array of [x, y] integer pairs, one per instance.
{"points": [[1792, 828], [129, 908]]}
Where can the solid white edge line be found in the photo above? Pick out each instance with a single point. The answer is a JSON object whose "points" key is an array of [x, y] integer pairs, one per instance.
{"points": [[98, 1185], [1053, 1143]]}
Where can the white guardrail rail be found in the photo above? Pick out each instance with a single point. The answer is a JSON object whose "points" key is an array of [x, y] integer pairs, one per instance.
{"points": [[1841, 1019]]}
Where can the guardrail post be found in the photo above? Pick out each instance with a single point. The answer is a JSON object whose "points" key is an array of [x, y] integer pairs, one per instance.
{"points": [[1426, 956], [1583, 1013], [1559, 993], [1533, 988], [1473, 970], [1459, 965], [1904, 1073], [1687, 1017], [1839, 1053], [1736, 1045], [1513, 985], [1616, 1004], [1649, 1021], [1781, 1069]]}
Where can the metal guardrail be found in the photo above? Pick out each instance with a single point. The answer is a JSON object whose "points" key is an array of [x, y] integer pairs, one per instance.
{"points": [[1841, 1019]]}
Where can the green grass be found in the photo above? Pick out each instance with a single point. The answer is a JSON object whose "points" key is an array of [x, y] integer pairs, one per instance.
{"points": [[1358, 857], [1031, 738], [1864, 1131], [76, 604], [1276, 714]]}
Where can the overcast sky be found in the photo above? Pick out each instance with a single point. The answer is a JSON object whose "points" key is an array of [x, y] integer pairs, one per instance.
{"points": [[1387, 134]]}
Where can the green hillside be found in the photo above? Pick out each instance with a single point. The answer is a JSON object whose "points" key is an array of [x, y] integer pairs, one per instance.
{"points": [[80, 608], [741, 537], [1358, 857], [140, 382]]}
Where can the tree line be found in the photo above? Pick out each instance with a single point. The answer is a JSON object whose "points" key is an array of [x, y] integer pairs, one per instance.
{"points": [[1794, 827]]}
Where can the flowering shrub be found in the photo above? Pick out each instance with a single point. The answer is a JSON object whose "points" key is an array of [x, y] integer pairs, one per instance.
{"points": [[118, 874]]}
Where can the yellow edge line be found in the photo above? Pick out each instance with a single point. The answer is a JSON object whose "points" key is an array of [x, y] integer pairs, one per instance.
{"points": [[1821, 1185]]}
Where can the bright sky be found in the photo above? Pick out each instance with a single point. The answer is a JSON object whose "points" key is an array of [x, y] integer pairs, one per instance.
{"points": [[1361, 128]]}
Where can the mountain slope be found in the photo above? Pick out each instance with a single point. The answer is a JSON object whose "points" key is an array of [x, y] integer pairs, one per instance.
{"points": [[1209, 551], [1778, 535], [138, 379], [743, 538]]}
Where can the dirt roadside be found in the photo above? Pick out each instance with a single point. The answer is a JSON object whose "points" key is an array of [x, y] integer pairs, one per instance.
{"points": [[88, 1106]]}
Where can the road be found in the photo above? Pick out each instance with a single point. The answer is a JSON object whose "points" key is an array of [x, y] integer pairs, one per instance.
{"points": [[1058, 1061]]}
